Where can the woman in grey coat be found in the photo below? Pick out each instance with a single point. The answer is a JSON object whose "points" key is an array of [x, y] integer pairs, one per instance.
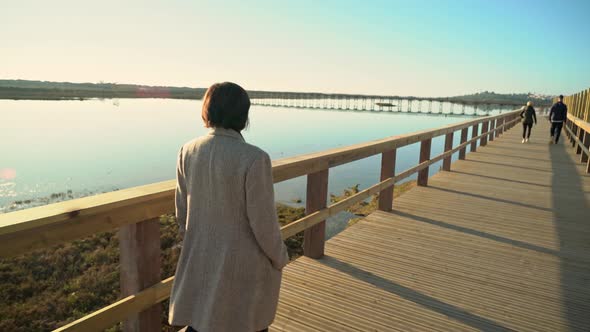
{"points": [[229, 271]]}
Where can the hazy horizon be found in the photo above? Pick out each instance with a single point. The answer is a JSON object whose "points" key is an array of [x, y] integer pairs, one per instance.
{"points": [[203, 87]]}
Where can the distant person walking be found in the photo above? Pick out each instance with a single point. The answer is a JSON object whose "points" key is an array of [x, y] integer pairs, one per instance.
{"points": [[229, 271], [529, 117], [557, 116]]}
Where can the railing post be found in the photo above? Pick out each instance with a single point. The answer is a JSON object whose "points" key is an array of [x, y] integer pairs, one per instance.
{"points": [[492, 127], [474, 131], [387, 171], [575, 134], [448, 147], [140, 260], [501, 121], [424, 156], [317, 194], [462, 151], [586, 141], [581, 135], [484, 129]]}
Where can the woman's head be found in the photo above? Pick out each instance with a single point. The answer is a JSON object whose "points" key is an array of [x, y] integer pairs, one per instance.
{"points": [[529, 103], [226, 105]]}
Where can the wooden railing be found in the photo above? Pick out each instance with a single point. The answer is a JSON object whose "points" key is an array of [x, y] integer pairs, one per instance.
{"points": [[577, 126], [578, 132], [579, 105], [135, 212]]}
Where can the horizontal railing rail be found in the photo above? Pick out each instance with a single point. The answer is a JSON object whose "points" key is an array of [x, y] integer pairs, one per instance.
{"points": [[578, 105], [578, 132], [40, 227], [577, 126]]}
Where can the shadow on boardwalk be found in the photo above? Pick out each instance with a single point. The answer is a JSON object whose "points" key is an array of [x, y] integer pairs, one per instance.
{"points": [[431, 303], [571, 211]]}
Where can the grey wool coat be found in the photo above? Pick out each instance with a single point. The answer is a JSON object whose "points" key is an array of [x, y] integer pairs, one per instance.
{"points": [[229, 271]]}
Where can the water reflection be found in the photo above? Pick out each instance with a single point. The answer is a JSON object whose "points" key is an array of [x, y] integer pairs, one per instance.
{"points": [[95, 146]]}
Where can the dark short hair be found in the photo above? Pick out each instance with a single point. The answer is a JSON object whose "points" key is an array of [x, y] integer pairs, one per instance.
{"points": [[560, 96], [226, 105]]}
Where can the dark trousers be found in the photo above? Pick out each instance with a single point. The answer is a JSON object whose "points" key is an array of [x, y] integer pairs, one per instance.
{"points": [[524, 130], [190, 329], [556, 130]]}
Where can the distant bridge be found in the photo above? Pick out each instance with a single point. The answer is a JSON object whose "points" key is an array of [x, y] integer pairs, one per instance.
{"points": [[404, 104]]}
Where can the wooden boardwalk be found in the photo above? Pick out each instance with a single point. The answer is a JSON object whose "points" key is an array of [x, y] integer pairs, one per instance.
{"points": [[500, 243]]}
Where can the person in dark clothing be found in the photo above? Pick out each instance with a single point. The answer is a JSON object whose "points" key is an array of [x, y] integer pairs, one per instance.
{"points": [[529, 116], [557, 116]]}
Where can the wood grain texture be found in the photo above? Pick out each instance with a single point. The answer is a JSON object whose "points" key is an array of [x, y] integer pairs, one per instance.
{"points": [[387, 171], [118, 311], [484, 129], [448, 146], [140, 269], [317, 195], [463, 151], [425, 148], [474, 133]]}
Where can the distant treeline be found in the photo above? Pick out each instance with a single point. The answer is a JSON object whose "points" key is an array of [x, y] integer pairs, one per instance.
{"points": [[22, 89], [487, 97], [25, 89]]}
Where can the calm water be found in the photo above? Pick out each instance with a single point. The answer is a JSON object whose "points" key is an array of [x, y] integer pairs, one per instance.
{"points": [[96, 146]]}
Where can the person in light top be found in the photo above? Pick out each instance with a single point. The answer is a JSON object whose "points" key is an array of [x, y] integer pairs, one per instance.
{"points": [[529, 117]]}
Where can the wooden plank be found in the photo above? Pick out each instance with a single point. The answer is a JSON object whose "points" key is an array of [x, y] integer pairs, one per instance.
{"points": [[387, 171], [425, 147], [474, 133], [579, 143], [484, 129], [118, 311], [448, 146], [500, 124], [463, 151], [79, 226], [586, 143], [492, 133], [140, 269], [77, 209], [574, 135], [576, 141], [317, 195]]}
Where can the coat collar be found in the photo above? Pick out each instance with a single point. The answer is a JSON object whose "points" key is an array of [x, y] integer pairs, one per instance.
{"points": [[226, 132]]}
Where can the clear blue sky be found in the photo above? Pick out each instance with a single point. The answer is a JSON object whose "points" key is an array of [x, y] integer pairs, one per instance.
{"points": [[435, 48]]}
